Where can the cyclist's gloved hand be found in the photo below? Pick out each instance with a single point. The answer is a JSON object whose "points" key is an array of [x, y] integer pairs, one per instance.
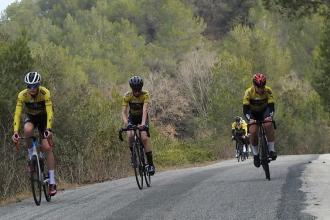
{"points": [[269, 118], [251, 121], [129, 125], [48, 133], [142, 126], [15, 137]]}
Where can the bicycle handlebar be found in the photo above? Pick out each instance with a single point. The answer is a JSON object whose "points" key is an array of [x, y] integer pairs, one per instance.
{"points": [[34, 138], [130, 128], [263, 122]]}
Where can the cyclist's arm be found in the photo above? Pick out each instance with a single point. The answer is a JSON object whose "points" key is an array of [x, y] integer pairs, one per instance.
{"points": [[124, 111], [49, 110], [246, 105], [145, 108], [124, 114], [271, 109], [271, 102], [247, 112], [145, 113], [245, 128], [18, 112], [233, 128]]}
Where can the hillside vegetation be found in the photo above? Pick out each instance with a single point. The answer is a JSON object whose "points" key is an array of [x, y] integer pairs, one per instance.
{"points": [[197, 59]]}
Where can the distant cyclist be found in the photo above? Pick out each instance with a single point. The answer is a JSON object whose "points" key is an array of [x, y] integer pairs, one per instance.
{"points": [[36, 101], [137, 102], [239, 132], [258, 104]]}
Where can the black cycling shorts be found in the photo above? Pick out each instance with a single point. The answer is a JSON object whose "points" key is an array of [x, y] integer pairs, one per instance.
{"points": [[38, 121], [137, 120], [260, 116]]}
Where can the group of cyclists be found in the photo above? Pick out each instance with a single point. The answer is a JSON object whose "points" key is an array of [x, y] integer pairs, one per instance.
{"points": [[37, 103], [258, 104]]}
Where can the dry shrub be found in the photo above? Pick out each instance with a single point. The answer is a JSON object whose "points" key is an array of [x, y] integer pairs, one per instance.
{"points": [[168, 104], [195, 76]]}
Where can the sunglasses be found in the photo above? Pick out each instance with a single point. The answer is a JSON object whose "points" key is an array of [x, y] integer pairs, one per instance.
{"points": [[33, 86], [260, 87], [139, 89]]}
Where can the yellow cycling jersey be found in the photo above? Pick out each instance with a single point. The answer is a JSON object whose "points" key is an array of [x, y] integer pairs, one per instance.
{"points": [[34, 105], [258, 102], [136, 103], [242, 125]]}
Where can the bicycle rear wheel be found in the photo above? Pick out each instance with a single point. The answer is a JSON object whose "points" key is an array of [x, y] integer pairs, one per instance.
{"points": [[36, 180], [264, 157], [137, 165]]}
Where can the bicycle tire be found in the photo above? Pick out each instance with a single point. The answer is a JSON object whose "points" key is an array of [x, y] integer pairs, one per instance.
{"points": [[45, 186], [146, 174], [264, 157], [46, 191], [240, 152], [237, 152], [137, 166], [35, 179]]}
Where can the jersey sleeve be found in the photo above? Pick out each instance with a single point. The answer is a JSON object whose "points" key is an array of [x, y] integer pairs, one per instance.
{"points": [[126, 99], [270, 96], [246, 98], [244, 126], [146, 97], [233, 125], [49, 109], [18, 112]]}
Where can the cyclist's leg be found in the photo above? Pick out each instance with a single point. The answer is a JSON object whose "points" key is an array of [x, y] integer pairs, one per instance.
{"points": [[130, 134], [253, 130], [270, 134], [148, 150], [48, 149], [246, 144], [236, 146], [145, 137], [29, 125]]}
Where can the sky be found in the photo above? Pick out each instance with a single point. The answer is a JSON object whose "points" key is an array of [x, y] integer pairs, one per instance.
{"points": [[5, 3]]}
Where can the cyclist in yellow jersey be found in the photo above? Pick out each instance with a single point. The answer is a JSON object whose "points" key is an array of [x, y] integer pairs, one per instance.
{"points": [[36, 101], [137, 101], [258, 104], [239, 131]]}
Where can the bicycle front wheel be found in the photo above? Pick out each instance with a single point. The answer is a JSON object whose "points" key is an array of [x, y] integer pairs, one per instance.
{"points": [[146, 174], [45, 186], [264, 157], [138, 166], [36, 180]]}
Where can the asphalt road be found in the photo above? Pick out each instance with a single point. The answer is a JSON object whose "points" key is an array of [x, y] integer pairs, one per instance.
{"points": [[225, 190]]}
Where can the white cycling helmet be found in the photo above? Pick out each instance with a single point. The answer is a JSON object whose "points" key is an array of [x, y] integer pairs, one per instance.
{"points": [[32, 78]]}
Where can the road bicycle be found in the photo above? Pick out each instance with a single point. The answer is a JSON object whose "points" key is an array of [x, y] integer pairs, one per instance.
{"points": [[263, 146], [139, 164], [39, 178], [239, 149]]}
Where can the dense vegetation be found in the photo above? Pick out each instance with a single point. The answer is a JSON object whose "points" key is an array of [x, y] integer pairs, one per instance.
{"points": [[197, 58]]}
